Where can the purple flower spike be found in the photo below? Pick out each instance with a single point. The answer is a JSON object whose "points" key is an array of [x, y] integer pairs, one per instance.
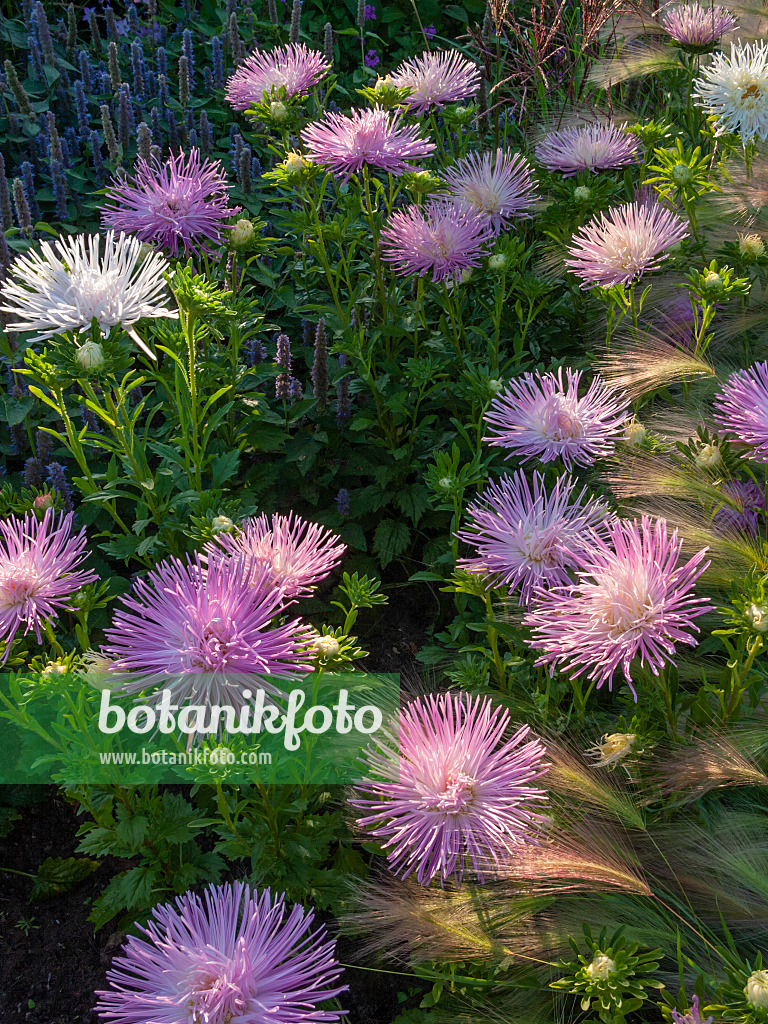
{"points": [[39, 570], [345, 144], [232, 956], [180, 203], [618, 247], [294, 66], [632, 600], [527, 538], [442, 238], [538, 416], [742, 408], [451, 789]]}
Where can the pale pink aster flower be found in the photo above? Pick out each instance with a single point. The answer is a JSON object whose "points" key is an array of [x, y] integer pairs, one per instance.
{"points": [[590, 147], [295, 67], [233, 957], [198, 630], [631, 600], [526, 537], [375, 137], [441, 238], [620, 246], [735, 90], [449, 788], [499, 186], [436, 79], [696, 27], [742, 409], [39, 571], [297, 554], [180, 203], [539, 416]]}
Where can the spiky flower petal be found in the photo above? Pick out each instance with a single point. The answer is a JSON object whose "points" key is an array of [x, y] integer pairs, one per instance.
{"points": [[735, 90], [232, 956], [441, 238], [696, 27], [39, 571], [526, 537], [375, 137], [436, 79], [180, 204], [65, 285], [591, 147], [742, 409], [294, 67], [632, 599], [449, 789], [539, 416], [499, 186], [618, 247]]}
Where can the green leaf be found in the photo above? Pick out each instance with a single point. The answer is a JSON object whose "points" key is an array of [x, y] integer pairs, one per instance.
{"points": [[58, 874], [223, 467], [390, 540]]}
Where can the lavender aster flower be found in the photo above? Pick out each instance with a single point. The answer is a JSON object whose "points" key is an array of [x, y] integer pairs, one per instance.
{"points": [[39, 570], [441, 238], [746, 502], [375, 137], [231, 956], [449, 789], [182, 202], [742, 409], [295, 67], [436, 79], [498, 186], [591, 147], [620, 246], [540, 417], [695, 27], [296, 554], [64, 286], [195, 627], [527, 538], [735, 90], [632, 599], [693, 1016]]}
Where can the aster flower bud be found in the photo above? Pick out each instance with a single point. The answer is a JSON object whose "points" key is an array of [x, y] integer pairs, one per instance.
{"points": [[612, 747], [222, 524], [757, 617], [498, 261], [582, 194], [751, 247], [242, 234], [278, 110], [635, 433], [96, 670], [708, 455], [42, 502], [295, 163], [601, 967], [327, 647], [756, 990], [90, 355]]}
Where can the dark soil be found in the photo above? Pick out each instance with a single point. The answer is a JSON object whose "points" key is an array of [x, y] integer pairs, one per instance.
{"points": [[51, 962]]}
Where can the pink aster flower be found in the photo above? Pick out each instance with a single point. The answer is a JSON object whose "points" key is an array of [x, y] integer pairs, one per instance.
{"points": [[631, 600], [450, 788], [590, 147], [745, 503], [39, 560], [295, 67], [436, 79], [693, 1016], [742, 408], [296, 554], [527, 538], [376, 137], [232, 956], [193, 629], [696, 27], [182, 202], [441, 238], [620, 246], [498, 186], [538, 416]]}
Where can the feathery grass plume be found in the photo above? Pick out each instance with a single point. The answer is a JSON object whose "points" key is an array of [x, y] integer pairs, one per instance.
{"points": [[571, 778], [712, 761], [722, 868], [638, 364], [588, 855], [406, 921], [637, 59]]}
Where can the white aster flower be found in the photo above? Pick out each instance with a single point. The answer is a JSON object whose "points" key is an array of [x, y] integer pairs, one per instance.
{"points": [[735, 90], [756, 989], [612, 748], [65, 285], [601, 967]]}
